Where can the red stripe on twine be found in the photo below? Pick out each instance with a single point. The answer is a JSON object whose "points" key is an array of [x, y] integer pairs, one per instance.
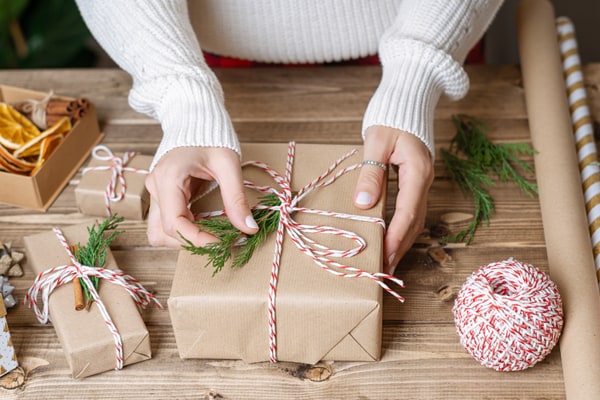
{"points": [[48, 280], [117, 166], [297, 232]]}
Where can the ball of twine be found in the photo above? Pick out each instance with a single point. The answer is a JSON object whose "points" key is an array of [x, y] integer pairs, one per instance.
{"points": [[508, 315]]}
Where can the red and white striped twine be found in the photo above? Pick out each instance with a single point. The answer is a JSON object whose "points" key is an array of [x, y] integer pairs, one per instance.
{"points": [[48, 280], [508, 315], [117, 166], [297, 232]]}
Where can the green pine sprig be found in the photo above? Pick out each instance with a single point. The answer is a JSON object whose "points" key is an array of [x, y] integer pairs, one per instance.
{"points": [[233, 243], [470, 161], [93, 254]]}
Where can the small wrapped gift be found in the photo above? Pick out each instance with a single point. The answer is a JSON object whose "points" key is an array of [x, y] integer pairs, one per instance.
{"points": [[312, 291], [114, 184], [8, 357], [111, 332]]}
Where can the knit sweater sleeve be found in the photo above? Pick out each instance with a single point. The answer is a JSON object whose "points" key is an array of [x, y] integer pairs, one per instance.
{"points": [[155, 43], [422, 55]]}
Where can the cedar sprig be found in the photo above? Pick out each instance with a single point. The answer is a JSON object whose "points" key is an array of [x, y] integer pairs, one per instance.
{"points": [[470, 179], [233, 243], [93, 254], [471, 159]]}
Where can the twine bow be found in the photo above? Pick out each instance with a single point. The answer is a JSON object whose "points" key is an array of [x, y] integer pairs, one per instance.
{"points": [[47, 281], [37, 109], [117, 166], [319, 253]]}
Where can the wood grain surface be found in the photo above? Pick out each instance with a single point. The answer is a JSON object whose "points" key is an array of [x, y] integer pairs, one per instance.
{"points": [[422, 357]]}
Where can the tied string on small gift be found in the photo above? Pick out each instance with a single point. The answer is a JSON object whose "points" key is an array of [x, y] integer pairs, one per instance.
{"points": [[47, 281], [319, 253], [117, 166]]}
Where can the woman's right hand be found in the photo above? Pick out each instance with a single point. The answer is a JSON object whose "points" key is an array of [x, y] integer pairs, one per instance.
{"points": [[177, 178]]}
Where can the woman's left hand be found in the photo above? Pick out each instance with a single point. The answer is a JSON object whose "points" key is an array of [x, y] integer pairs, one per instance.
{"points": [[415, 176]]}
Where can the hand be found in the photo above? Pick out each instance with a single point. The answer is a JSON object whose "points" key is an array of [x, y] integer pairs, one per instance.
{"points": [[415, 176], [179, 176]]}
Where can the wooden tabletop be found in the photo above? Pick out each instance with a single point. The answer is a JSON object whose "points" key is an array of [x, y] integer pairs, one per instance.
{"points": [[422, 356]]}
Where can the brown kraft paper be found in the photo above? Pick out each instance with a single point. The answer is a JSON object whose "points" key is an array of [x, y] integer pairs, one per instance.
{"points": [[319, 316], [90, 193], [88, 345], [568, 243]]}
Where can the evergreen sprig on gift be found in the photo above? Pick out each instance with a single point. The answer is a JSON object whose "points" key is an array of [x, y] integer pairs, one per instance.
{"points": [[472, 159], [233, 243], [93, 253]]}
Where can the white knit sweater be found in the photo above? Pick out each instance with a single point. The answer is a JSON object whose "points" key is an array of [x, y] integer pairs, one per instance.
{"points": [[421, 44]]}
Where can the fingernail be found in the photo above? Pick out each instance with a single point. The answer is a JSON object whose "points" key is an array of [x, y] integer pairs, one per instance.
{"points": [[251, 223], [391, 263], [364, 198]]}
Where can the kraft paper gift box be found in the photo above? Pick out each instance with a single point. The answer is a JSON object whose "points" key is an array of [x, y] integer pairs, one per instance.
{"points": [[39, 191], [319, 316], [8, 357], [87, 342], [90, 193]]}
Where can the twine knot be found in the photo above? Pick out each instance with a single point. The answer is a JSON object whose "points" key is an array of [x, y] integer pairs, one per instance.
{"points": [[37, 110], [117, 166], [508, 315], [48, 280]]}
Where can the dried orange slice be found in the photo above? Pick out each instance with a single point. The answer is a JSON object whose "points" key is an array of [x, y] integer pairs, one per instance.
{"points": [[15, 128], [48, 145], [32, 147], [12, 164], [46, 148]]}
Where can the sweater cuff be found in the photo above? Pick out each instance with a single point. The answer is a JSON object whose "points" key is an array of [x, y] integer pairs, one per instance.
{"points": [[191, 113], [410, 87]]}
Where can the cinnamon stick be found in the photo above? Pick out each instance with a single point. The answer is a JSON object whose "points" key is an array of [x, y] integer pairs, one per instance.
{"points": [[78, 293], [82, 102], [51, 119], [77, 114], [56, 106], [77, 289]]}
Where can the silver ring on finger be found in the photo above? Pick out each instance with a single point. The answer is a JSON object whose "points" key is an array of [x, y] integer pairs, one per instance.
{"points": [[375, 163]]}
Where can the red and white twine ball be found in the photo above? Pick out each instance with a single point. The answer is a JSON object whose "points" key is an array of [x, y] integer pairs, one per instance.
{"points": [[508, 315]]}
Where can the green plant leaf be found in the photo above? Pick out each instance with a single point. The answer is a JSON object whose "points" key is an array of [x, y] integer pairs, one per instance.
{"points": [[55, 34], [10, 10]]}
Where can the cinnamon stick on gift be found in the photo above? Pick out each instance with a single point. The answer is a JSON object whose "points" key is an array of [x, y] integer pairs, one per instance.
{"points": [[77, 289], [78, 293]]}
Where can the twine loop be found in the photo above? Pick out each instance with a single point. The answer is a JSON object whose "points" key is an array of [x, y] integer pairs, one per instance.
{"points": [[320, 254], [117, 166], [508, 315], [48, 280]]}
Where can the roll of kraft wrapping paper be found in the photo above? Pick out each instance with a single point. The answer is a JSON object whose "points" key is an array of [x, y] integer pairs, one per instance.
{"points": [[583, 130], [568, 245]]}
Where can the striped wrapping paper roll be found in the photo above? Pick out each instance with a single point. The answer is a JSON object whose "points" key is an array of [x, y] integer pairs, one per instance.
{"points": [[583, 130]]}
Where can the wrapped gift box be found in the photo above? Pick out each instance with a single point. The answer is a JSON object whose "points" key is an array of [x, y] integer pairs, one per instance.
{"points": [[8, 357], [39, 191], [90, 194], [319, 316], [88, 344]]}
